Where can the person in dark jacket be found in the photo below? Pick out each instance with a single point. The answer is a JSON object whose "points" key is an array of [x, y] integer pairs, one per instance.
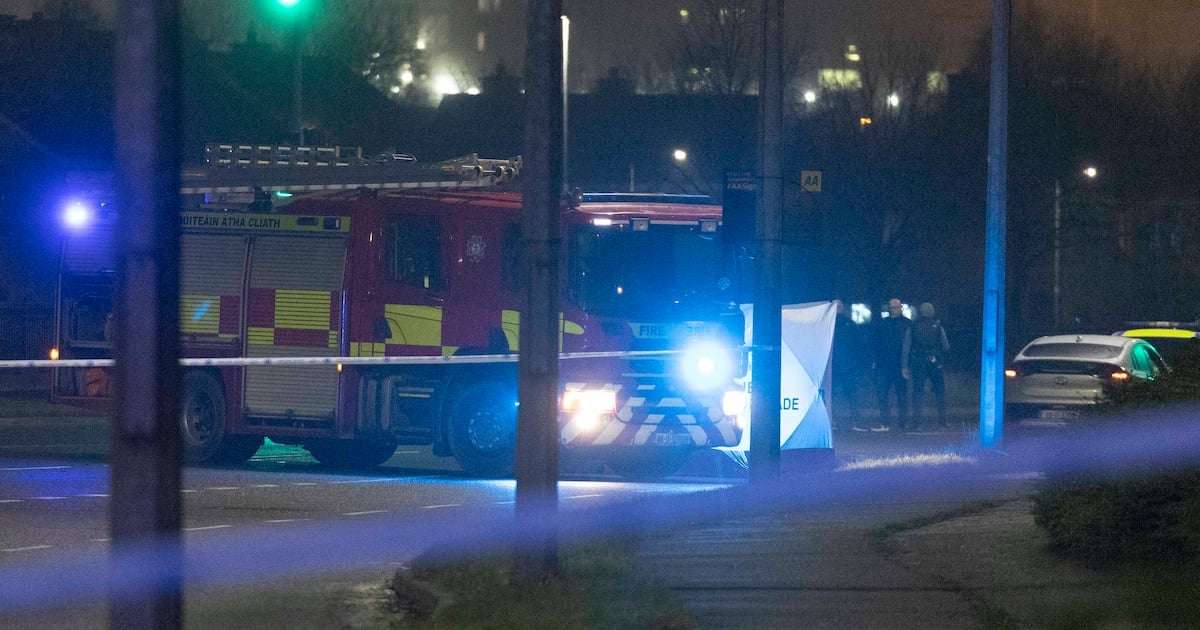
{"points": [[849, 350], [889, 365], [925, 348]]}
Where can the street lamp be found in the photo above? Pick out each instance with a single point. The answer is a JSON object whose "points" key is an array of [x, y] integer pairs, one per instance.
{"points": [[292, 7], [680, 155], [1091, 173]]}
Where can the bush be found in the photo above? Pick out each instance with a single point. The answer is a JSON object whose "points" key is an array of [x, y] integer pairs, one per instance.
{"points": [[1150, 519], [1180, 385]]}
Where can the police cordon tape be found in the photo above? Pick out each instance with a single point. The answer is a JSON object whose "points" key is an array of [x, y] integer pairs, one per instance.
{"points": [[293, 361]]}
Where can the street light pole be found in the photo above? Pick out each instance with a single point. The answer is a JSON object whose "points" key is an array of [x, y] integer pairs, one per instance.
{"points": [[297, 80], [1057, 253]]}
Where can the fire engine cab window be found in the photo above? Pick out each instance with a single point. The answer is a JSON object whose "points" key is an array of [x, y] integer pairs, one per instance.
{"points": [[669, 269], [415, 251]]}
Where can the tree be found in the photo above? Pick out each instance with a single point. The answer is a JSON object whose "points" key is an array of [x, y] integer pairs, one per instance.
{"points": [[376, 38], [719, 50]]}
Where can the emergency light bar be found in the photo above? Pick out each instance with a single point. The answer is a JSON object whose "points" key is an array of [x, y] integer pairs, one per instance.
{"points": [[696, 200]]}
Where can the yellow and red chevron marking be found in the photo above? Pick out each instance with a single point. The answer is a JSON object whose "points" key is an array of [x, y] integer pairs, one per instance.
{"points": [[209, 315], [293, 317]]}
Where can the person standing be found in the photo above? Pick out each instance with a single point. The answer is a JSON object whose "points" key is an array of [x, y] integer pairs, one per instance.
{"points": [[889, 365], [849, 349], [925, 348]]}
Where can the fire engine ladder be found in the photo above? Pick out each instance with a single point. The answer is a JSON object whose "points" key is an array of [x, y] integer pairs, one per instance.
{"points": [[239, 169]]}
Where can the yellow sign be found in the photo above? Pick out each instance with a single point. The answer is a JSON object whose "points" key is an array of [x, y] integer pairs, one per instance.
{"points": [[246, 222]]}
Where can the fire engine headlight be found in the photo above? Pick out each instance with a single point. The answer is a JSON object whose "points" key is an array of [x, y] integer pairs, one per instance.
{"points": [[735, 403], [706, 365], [589, 402]]}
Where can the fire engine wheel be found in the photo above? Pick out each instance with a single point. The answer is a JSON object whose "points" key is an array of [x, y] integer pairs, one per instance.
{"points": [[483, 429], [203, 424], [352, 453], [648, 463]]}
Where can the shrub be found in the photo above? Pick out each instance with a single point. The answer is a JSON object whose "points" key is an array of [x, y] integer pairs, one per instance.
{"points": [[1147, 519]]}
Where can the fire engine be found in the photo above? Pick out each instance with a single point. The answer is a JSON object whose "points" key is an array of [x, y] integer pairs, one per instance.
{"points": [[400, 281]]}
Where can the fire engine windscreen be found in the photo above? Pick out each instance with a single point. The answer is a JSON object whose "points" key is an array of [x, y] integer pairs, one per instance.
{"points": [[664, 270]]}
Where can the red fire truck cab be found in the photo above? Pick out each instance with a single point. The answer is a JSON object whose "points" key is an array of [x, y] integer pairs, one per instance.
{"points": [[415, 284]]}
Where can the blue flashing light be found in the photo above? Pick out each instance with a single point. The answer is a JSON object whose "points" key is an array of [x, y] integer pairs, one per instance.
{"points": [[706, 365], [77, 215]]}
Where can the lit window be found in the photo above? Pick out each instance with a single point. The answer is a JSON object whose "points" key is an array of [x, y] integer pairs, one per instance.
{"points": [[852, 53], [480, 41], [420, 43], [893, 99], [839, 79], [936, 83]]}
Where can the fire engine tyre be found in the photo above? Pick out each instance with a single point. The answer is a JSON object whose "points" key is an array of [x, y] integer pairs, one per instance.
{"points": [[648, 463], [203, 424], [483, 429], [352, 453]]}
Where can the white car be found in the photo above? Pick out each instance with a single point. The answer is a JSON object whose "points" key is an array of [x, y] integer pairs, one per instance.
{"points": [[1053, 379]]}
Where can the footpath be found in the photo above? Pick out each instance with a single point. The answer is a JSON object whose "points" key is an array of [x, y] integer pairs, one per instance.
{"points": [[972, 559]]}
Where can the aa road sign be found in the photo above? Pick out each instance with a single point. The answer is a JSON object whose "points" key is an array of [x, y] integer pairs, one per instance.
{"points": [[810, 181]]}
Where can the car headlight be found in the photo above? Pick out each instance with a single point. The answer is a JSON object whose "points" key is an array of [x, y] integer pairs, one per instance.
{"points": [[734, 403], [706, 365], [590, 402]]}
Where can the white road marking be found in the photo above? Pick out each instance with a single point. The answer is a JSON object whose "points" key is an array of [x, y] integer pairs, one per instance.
{"points": [[304, 483], [12, 500], [36, 468], [265, 485], [101, 540], [504, 502], [364, 512], [583, 496], [285, 520], [374, 480], [188, 491], [200, 529], [95, 494], [49, 498], [222, 488], [33, 548], [446, 505]]}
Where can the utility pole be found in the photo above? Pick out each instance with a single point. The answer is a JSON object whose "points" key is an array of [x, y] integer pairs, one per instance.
{"points": [[991, 381], [537, 366], [145, 470], [1057, 254], [768, 324]]}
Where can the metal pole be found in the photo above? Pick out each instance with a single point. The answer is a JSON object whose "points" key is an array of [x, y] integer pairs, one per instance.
{"points": [[566, 49], [991, 390], [537, 367], [765, 394], [145, 469], [1057, 254], [297, 78]]}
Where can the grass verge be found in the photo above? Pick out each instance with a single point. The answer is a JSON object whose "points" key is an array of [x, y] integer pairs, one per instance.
{"points": [[27, 405], [597, 588]]}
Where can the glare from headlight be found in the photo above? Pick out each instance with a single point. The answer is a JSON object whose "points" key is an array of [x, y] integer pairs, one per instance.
{"points": [[734, 403], [589, 402]]}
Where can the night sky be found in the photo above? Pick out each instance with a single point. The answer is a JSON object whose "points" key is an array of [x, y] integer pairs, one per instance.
{"points": [[1156, 32]]}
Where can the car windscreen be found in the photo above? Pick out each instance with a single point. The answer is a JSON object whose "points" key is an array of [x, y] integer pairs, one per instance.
{"points": [[1074, 350], [1173, 349], [1065, 366]]}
